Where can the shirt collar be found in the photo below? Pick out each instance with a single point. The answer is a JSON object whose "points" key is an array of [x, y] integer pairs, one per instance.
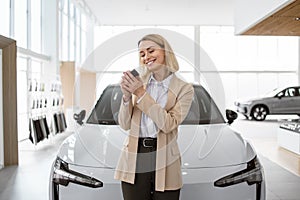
{"points": [[165, 83]]}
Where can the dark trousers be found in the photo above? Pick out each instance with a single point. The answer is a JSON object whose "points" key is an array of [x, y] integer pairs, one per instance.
{"points": [[144, 184]]}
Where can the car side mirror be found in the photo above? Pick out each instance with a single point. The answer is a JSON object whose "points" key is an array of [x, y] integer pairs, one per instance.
{"points": [[231, 116], [79, 117]]}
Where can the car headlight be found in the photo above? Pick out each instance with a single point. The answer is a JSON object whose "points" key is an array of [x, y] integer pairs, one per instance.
{"points": [[251, 175], [248, 102], [62, 175]]}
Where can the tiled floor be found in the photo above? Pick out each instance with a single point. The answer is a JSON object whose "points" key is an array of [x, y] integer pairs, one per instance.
{"points": [[263, 136], [281, 184], [29, 181], [281, 166]]}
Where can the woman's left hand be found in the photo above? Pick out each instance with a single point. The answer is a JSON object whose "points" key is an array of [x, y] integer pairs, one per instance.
{"points": [[133, 84]]}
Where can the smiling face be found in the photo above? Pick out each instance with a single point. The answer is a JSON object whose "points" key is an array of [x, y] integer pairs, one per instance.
{"points": [[151, 55]]}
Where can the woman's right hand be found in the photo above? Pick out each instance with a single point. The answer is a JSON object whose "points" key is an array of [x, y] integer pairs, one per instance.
{"points": [[126, 94]]}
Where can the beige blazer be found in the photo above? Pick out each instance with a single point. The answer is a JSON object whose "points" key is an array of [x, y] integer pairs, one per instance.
{"points": [[168, 160]]}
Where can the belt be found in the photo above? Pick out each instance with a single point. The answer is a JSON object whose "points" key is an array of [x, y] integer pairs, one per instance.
{"points": [[148, 142]]}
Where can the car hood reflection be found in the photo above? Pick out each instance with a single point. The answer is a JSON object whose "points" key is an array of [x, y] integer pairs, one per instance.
{"points": [[215, 146]]}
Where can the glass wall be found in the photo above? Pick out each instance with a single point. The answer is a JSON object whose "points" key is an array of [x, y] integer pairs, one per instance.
{"points": [[22, 20], [72, 32], [20, 23], [4, 16], [36, 28], [250, 66], [266, 62], [128, 59]]}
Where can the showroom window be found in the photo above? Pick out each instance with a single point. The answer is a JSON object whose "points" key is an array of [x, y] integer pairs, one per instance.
{"points": [[64, 29], [4, 16], [73, 23], [266, 62], [112, 73], [72, 32], [22, 20], [36, 26], [249, 66], [20, 26], [83, 37], [78, 36]]}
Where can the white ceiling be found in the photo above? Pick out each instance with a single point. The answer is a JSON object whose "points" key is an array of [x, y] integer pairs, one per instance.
{"points": [[163, 12]]}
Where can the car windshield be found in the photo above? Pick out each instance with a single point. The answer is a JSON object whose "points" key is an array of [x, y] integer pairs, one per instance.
{"points": [[203, 109], [274, 92]]}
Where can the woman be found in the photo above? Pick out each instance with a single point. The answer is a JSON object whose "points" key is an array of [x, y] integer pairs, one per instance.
{"points": [[152, 108]]}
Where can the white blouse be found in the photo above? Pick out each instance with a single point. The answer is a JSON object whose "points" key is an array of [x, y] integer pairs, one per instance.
{"points": [[159, 92]]}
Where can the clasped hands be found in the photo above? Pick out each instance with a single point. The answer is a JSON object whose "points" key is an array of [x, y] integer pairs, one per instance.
{"points": [[131, 85]]}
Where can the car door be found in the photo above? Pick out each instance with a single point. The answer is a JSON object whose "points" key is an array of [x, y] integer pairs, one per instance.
{"points": [[287, 101], [296, 101]]}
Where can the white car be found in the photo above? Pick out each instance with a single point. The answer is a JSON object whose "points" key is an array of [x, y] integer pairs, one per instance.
{"points": [[278, 101], [217, 163]]}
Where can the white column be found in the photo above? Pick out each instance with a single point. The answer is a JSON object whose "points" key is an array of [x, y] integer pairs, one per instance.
{"points": [[1, 117]]}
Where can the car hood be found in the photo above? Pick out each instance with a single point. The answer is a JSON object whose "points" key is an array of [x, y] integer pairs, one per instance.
{"points": [[201, 146], [246, 100], [213, 146]]}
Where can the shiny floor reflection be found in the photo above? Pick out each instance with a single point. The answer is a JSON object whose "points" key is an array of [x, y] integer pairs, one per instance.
{"points": [[29, 180]]}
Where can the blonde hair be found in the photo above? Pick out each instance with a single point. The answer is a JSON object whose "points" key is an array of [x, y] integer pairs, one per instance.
{"points": [[170, 59]]}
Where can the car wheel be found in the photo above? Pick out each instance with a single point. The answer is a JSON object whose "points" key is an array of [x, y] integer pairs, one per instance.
{"points": [[259, 112]]}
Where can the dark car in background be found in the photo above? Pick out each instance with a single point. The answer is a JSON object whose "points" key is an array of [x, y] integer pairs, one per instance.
{"points": [[279, 101]]}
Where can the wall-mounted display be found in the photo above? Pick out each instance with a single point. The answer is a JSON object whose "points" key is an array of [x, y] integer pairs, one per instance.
{"points": [[45, 107]]}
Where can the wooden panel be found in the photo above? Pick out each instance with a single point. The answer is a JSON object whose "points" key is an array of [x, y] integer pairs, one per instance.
{"points": [[87, 90], [285, 22], [4, 42], [67, 76], [9, 79]]}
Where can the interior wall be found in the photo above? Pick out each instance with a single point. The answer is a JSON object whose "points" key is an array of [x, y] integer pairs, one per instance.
{"points": [[1, 117], [87, 90], [67, 77]]}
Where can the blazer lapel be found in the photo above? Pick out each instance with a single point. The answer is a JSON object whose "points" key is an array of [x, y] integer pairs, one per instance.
{"points": [[171, 93]]}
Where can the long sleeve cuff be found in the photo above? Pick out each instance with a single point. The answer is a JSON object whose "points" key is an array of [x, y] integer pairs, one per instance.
{"points": [[126, 103], [140, 99]]}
